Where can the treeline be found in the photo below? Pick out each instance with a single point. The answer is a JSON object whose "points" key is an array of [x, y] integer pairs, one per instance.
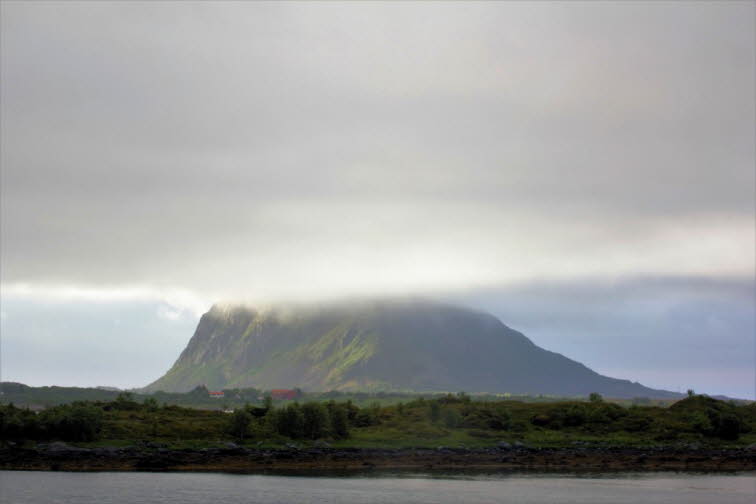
{"points": [[453, 417], [694, 416], [311, 420], [199, 397], [70, 422], [126, 417]]}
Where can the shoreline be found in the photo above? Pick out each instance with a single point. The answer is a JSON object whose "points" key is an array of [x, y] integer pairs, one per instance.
{"points": [[61, 457]]}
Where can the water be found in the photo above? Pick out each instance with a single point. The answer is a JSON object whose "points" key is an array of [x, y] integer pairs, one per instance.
{"points": [[18, 487]]}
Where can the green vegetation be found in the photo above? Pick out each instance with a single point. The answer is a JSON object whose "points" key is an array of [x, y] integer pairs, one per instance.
{"points": [[451, 420], [234, 398], [378, 346]]}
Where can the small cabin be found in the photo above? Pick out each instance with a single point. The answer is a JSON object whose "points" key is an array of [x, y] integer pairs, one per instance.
{"points": [[217, 395], [283, 394]]}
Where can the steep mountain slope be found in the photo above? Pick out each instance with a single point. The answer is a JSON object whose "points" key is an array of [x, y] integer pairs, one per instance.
{"points": [[378, 345]]}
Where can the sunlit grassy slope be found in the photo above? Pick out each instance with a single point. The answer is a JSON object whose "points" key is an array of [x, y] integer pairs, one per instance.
{"points": [[378, 345]]}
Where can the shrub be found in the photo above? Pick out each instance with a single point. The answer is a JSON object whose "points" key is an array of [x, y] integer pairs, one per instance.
{"points": [[541, 420], [435, 411], [451, 417], [150, 404], [125, 402], [729, 427], [339, 420], [289, 421], [16, 423], [74, 422], [239, 423], [573, 416], [636, 422], [365, 418], [488, 418], [314, 420], [701, 423]]}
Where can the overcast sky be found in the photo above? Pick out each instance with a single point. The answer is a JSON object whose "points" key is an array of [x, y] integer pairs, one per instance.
{"points": [[518, 157]]}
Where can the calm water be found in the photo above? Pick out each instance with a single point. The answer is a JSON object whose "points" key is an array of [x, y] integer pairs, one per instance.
{"points": [[104, 488]]}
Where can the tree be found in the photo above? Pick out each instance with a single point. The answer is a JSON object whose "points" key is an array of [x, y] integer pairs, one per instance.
{"points": [[574, 415], [339, 420], [595, 397], [239, 425], [72, 422], [268, 402], [125, 396], [435, 411], [314, 420], [125, 402], [150, 404], [17, 423], [729, 427], [451, 417], [691, 392], [486, 417], [289, 421], [365, 417]]}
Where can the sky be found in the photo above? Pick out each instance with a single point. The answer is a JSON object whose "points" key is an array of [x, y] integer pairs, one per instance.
{"points": [[584, 171]]}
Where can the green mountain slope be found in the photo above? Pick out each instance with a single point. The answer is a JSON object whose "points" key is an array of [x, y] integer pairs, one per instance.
{"points": [[379, 345]]}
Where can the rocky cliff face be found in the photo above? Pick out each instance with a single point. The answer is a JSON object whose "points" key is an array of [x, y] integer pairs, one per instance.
{"points": [[380, 345]]}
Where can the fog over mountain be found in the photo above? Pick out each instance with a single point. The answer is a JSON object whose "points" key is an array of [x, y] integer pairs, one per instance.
{"points": [[401, 345]]}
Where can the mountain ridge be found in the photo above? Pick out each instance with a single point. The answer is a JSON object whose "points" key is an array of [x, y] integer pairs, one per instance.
{"points": [[415, 344]]}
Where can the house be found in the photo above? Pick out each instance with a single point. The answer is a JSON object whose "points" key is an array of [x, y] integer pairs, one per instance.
{"points": [[284, 394], [216, 395]]}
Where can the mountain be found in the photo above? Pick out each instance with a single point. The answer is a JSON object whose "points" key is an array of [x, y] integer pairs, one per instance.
{"points": [[377, 345]]}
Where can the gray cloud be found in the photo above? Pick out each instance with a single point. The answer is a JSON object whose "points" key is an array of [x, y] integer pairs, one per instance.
{"points": [[148, 143]]}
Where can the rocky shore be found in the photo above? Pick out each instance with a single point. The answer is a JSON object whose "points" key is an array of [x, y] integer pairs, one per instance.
{"points": [[233, 458]]}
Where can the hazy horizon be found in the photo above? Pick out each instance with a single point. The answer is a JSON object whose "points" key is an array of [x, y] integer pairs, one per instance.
{"points": [[584, 171]]}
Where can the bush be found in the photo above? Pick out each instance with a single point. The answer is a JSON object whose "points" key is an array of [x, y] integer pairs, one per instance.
{"points": [[636, 422], [150, 404], [339, 420], [435, 411], [239, 423], [451, 417], [75, 422], [602, 413], [125, 402], [573, 416], [710, 417], [729, 427], [488, 418], [16, 423], [365, 418], [541, 420], [701, 423], [289, 421], [314, 420]]}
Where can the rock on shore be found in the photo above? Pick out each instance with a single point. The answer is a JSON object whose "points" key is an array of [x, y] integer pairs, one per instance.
{"points": [[154, 457]]}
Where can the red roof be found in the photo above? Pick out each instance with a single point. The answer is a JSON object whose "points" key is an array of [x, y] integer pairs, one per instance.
{"points": [[283, 394]]}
